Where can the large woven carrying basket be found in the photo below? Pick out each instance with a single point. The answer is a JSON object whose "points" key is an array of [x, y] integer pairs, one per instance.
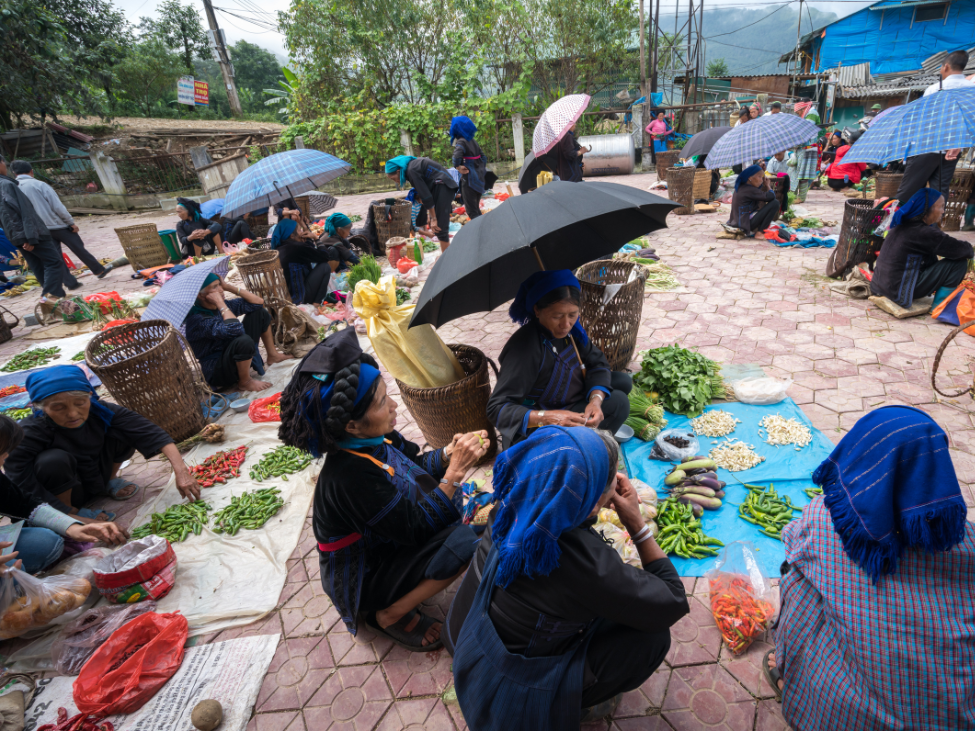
{"points": [[958, 194], [259, 231], [458, 408], [666, 160], [887, 184], [612, 327], [680, 189], [398, 224], [263, 275], [6, 331], [859, 221], [142, 246], [702, 185], [148, 368]]}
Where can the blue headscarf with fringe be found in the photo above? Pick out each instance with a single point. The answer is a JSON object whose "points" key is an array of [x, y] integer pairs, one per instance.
{"points": [[746, 174], [889, 485], [539, 284], [399, 163], [918, 204], [462, 127], [57, 379], [282, 231], [336, 221], [544, 486]]}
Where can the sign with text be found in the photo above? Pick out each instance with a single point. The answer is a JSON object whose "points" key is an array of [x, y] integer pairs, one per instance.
{"points": [[184, 91], [201, 93]]}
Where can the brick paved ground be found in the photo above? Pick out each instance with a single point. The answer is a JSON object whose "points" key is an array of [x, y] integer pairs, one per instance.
{"points": [[742, 302]]}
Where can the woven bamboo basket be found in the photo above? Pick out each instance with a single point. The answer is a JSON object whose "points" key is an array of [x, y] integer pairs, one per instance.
{"points": [[680, 189], [259, 231], [399, 224], [303, 202], [458, 408], [666, 160], [887, 184], [958, 194], [263, 275], [253, 221], [259, 245], [360, 245], [612, 327], [6, 328], [702, 185], [142, 246], [149, 368], [856, 236]]}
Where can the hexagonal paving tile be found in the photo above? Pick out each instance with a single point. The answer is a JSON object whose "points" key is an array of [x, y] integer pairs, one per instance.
{"points": [[353, 698], [648, 697], [428, 714], [707, 696], [695, 638], [297, 671], [365, 647], [417, 673]]}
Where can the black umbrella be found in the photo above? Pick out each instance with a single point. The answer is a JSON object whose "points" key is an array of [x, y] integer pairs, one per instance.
{"points": [[529, 172], [561, 225], [702, 142]]}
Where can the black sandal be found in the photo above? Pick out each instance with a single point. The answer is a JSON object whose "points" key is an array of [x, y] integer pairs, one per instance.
{"points": [[410, 640], [773, 676]]}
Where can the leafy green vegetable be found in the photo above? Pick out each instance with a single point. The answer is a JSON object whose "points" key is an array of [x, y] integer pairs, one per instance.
{"points": [[684, 380], [402, 295], [367, 268]]}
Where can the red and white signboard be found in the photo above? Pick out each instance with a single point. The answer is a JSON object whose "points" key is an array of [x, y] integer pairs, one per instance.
{"points": [[201, 93]]}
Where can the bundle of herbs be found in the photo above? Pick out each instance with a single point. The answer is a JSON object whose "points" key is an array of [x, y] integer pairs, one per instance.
{"points": [[646, 417], [367, 268], [682, 381]]}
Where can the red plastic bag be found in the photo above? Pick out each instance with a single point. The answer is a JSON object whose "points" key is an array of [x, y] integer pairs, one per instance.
{"points": [[132, 665], [265, 409], [104, 300], [404, 265]]}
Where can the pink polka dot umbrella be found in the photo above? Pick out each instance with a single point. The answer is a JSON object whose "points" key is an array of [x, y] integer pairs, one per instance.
{"points": [[556, 120]]}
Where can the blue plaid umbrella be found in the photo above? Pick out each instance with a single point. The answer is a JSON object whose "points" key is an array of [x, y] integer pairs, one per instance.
{"points": [[175, 298], [935, 123], [760, 138], [280, 177]]}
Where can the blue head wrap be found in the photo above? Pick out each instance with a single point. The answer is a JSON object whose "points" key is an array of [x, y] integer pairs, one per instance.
{"points": [[190, 206], [539, 284], [399, 164], [462, 127], [890, 484], [336, 221], [315, 415], [545, 485], [208, 280], [746, 174], [919, 204], [282, 231], [57, 379]]}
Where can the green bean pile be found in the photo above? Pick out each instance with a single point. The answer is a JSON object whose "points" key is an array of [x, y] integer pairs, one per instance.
{"points": [[680, 532], [78, 356], [766, 509], [812, 492], [176, 522], [280, 462], [18, 414], [31, 359], [249, 511]]}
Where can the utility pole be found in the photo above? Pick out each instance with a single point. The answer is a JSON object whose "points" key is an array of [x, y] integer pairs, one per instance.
{"points": [[223, 58], [656, 46], [795, 80], [643, 53]]}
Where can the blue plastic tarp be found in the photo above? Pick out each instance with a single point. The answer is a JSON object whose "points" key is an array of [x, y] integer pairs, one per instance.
{"points": [[789, 470]]}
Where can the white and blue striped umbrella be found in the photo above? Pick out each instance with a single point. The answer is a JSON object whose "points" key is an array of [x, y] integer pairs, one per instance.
{"points": [[175, 298], [935, 123], [760, 138], [279, 177]]}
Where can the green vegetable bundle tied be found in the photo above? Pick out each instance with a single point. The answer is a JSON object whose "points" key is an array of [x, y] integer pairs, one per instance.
{"points": [[31, 359], [767, 510], [176, 522], [680, 532], [685, 380], [646, 417], [280, 462], [367, 268], [249, 511]]}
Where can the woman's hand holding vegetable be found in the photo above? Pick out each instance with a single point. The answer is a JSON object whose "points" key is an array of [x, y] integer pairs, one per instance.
{"points": [[187, 485], [466, 450], [594, 409], [92, 532], [626, 503]]}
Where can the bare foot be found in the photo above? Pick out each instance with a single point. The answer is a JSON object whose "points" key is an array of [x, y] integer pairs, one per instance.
{"points": [[253, 385], [276, 357], [771, 665], [433, 633]]}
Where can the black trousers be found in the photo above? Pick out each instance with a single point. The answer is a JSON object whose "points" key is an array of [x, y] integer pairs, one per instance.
{"points": [[783, 194], [73, 241], [316, 283], [946, 273], [208, 244], [240, 349], [838, 184], [47, 265], [925, 170], [620, 659], [239, 232], [471, 198], [616, 406], [764, 216], [442, 197], [57, 471]]}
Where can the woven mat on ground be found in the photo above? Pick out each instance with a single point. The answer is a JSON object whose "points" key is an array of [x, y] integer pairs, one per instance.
{"points": [[855, 286], [790, 471]]}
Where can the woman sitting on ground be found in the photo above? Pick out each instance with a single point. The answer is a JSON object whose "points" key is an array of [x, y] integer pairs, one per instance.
{"points": [[876, 628], [225, 346], [73, 447], [551, 372], [434, 187], [338, 229], [386, 517], [41, 540], [840, 175], [197, 236], [908, 267], [834, 143], [307, 267], [753, 206], [550, 601]]}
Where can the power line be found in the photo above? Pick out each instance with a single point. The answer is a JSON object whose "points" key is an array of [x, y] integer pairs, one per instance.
{"points": [[728, 33], [750, 48]]}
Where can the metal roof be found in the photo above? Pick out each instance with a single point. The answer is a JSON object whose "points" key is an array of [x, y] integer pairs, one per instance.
{"points": [[856, 75], [894, 88], [888, 4]]}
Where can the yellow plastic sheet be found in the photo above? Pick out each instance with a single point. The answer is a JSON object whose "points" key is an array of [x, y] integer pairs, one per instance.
{"points": [[416, 356], [543, 178]]}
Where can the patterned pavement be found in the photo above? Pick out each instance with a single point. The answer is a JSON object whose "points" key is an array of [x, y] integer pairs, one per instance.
{"points": [[741, 302]]}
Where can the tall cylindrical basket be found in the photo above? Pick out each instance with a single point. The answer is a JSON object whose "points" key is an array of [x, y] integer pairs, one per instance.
{"points": [[887, 184], [142, 246], [263, 275], [666, 160], [680, 189], [859, 221], [612, 326], [958, 195], [394, 222]]}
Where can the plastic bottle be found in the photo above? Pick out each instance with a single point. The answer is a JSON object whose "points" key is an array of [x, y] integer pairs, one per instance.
{"points": [[417, 251]]}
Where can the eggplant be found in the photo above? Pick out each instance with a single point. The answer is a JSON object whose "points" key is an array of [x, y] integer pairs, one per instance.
{"points": [[719, 494], [693, 464], [710, 503], [675, 477], [696, 509], [693, 490], [698, 471], [705, 480]]}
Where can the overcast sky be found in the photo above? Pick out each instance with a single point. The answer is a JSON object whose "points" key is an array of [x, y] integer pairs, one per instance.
{"points": [[237, 28]]}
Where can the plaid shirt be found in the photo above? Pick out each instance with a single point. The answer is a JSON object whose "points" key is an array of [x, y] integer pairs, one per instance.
{"points": [[900, 655]]}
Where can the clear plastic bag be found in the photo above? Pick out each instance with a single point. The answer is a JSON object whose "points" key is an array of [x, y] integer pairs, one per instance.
{"points": [[743, 601], [80, 638], [667, 452], [29, 603], [761, 391]]}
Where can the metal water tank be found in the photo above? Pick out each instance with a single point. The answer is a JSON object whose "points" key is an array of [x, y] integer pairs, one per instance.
{"points": [[611, 155]]}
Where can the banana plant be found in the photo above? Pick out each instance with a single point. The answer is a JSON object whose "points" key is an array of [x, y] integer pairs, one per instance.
{"points": [[282, 95]]}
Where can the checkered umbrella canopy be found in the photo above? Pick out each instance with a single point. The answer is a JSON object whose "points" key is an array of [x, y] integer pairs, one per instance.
{"points": [[934, 123], [556, 120], [760, 138], [174, 300], [279, 177]]}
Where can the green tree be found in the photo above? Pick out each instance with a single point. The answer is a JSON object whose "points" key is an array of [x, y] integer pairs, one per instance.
{"points": [[148, 74], [717, 68], [255, 68], [180, 28], [282, 95]]}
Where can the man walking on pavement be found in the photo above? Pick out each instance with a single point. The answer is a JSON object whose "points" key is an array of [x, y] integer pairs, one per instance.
{"points": [[55, 216], [28, 233]]}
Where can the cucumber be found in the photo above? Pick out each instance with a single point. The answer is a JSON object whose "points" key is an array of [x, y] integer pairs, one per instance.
{"points": [[675, 477]]}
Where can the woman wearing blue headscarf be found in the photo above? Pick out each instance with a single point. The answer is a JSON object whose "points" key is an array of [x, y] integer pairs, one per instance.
{"points": [[434, 188], [551, 626], [307, 266], [470, 161], [753, 206], [338, 229], [908, 267], [386, 516], [198, 236], [551, 372]]}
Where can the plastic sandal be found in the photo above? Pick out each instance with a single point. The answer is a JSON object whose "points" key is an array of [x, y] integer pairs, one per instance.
{"points": [[412, 640], [772, 675], [117, 484]]}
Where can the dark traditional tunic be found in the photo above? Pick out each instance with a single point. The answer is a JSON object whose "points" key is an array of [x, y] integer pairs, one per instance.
{"points": [[206, 244], [540, 372], [210, 335], [747, 200], [297, 259], [469, 154], [381, 534], [52, 460], [288, 203], [908, 250]]}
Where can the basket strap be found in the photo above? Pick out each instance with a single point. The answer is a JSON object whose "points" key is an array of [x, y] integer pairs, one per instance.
{"points": [[937, 361], [4, 311]]}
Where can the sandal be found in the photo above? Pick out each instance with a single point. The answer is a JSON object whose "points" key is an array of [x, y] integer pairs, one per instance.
{"points": [[772, 675], [117, 484], [408, 640], [93, 514]]}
